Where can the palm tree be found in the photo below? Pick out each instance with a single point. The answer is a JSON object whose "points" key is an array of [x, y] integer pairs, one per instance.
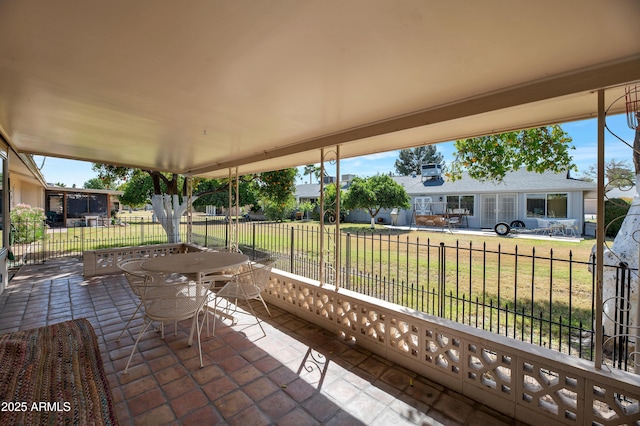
{"points": [[312, 170]]}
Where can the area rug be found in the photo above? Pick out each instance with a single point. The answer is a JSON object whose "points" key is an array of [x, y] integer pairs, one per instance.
{"points": [[53, 375]]}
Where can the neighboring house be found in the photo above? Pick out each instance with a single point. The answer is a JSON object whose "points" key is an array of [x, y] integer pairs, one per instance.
{"points": [[62, 206], [307, 192], [522, 195], [27, 185], [80, 207]]}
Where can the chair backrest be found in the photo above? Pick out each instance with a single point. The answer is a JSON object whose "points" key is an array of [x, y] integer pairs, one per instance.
{"points": [[170, 301], [262, 271], [137, 277]]}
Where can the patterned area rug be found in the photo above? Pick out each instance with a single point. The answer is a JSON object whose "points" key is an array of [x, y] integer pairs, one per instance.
{"points": [[53, 375]]}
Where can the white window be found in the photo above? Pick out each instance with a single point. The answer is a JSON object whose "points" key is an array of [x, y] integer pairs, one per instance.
{"points": [[462, 204], [547, 205]]}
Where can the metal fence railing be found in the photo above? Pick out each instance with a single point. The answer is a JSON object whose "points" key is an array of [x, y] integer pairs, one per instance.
{"points": [[35, 241], [534, 297]]}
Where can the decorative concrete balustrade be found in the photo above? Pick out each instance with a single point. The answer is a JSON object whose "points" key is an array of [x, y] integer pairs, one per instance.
{"points": [[105, 261], [533, 384]]}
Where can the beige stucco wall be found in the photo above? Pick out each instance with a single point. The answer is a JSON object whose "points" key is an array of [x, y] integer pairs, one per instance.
{"points": [[25, 191]]}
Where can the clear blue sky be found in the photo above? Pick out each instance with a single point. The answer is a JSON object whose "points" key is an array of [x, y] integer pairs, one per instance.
{"points": [[583, 133]]}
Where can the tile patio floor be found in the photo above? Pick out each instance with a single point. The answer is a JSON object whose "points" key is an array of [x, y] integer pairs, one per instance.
{"points": [[298, 374]]}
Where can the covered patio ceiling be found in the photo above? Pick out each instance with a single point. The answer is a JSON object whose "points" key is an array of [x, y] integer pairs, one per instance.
{"points": [[197, 87]]}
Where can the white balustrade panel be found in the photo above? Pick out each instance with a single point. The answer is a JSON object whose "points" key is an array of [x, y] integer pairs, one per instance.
{"points": [[530, 383]]}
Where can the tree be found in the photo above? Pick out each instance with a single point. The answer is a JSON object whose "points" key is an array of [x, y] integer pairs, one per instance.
{"points": [[278, 185], [305, 208], [312, 170], [330, 199], [137, 189], [411, 160], [491, 157], [168, 192], [95, 183], [616, 173], [376, 193], [276, 190], [215, 192]]}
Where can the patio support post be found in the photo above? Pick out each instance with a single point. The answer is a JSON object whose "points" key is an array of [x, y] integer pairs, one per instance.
{"points": [[227, 242], [6, 198], [600, 233], [6, 218], [321, 272], [337, 234], [635, 357], [237, 224], [189, 209]]}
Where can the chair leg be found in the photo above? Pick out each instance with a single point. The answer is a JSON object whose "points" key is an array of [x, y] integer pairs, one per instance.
{"points": [[128, 322], [225, 312], [215, 310], [199, 330], [205, 318], [256, 317], [207, 311], [265, 305], [135, 345]]}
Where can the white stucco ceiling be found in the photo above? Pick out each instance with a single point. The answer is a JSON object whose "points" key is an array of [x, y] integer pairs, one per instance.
{"points": [[200, 86]]}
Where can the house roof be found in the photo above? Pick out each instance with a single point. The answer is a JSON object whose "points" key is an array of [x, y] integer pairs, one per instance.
{"points": [[308, 190], [519, 181], [203, 86], [53, 188], [623, 192]]}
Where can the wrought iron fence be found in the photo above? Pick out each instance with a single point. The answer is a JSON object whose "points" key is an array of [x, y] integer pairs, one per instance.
{"points": [[534, 297], [36, 242]]}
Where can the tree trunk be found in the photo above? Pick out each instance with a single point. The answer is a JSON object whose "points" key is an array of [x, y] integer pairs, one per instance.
{"points": [[168, 211]]}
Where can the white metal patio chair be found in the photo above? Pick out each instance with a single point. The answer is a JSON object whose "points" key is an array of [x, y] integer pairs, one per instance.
{"points": [[261, 273], [245, 286], [172, 302], [138, 279]]}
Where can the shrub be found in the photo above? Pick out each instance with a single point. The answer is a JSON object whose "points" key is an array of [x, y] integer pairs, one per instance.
{"points": [[27, 223], [615, 211], [306, 208], [278, 210]]}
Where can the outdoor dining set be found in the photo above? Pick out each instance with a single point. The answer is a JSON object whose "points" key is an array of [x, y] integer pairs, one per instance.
{"points": [[193, 285], [558, 227]]}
